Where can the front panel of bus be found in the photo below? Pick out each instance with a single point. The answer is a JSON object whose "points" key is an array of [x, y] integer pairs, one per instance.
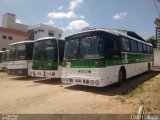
{"points": [[84, 58], [5, 60], [20, 58], [1, 59], [45, 58]]}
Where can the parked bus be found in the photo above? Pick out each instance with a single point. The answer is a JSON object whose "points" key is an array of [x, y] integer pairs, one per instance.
{"points": [[5, 60], [20, 58], [47, 57], [1, 59], [102, 57]]}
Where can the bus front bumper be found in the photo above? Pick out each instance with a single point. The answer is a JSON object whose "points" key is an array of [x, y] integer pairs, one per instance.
{"points": [[83, 81], [45, 73], [18, 72]]}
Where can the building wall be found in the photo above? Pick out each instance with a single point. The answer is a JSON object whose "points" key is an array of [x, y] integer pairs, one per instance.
{"points": [[4, 43], [156, 57], [42, 30], [9, 21]]}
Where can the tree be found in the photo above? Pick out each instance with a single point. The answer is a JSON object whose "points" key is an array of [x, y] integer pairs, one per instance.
{"points": [[153, 41]]}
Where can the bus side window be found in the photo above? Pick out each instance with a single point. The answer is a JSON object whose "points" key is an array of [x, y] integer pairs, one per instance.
{"points": [[125, 44], [29, 49], [144, 48], [113, 47], [140, 47], [61, 50], [148, 49], [133, 46], [151, 50]]}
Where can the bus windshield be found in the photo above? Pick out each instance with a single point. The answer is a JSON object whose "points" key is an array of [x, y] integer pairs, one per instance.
{"points": [[71, 49], [4, 56], [12, 52], [85, 48], [21, 52], [45, 50], [1, 56], [91, 48]]}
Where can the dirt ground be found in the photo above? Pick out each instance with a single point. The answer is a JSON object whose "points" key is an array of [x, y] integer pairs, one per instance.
{"points": [[21, 95]]}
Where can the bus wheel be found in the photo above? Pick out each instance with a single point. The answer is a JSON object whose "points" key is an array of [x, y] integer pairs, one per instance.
{"points": [[149, 67], [121, 76]]}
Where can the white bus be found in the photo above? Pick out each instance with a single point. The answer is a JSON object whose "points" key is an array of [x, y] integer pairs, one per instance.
{"points": [[1, 60], [101, 57], [20, 58], [47, 57], [5, 60]]}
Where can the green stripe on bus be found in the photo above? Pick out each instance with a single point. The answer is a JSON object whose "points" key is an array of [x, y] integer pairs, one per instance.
{"points": [[126, 58], [44, 64], [85, 63]]}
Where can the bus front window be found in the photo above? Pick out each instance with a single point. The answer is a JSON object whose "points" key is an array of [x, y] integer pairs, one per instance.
{"points": [[91, 48], [45, 50], [71, 49], [1, 57], [12, 53], [21, 55]]}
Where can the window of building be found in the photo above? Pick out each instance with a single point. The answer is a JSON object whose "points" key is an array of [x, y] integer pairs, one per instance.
{"points": [[3, 49], [4, 37], [35, 32], [40, 30], [10, 38], [51, 34], [60, 35]]}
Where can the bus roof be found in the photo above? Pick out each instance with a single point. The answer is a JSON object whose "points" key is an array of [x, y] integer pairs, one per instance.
{"points": [[21, 42], [115, 32], [45, 38]]}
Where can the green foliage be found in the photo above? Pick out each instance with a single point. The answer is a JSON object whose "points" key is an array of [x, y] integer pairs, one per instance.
{"points": [[153, 41]]}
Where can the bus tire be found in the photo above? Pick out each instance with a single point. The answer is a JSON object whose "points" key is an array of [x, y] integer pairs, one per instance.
{"points": [[121, 76], [149, 67]]}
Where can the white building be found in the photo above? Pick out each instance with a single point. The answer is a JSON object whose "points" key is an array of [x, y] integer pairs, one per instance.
{"points": [[42, 30]]}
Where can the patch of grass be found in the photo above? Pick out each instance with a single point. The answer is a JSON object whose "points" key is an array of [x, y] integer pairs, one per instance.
{"points": [[133, 91], [157, 90]]}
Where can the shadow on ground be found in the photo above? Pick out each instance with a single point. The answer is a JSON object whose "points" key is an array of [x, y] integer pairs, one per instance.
{"points": [[53, 81], [113, 89], [25, 78]]}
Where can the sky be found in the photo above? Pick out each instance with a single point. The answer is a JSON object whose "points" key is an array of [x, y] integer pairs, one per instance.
{"points": [[73, 15]]}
